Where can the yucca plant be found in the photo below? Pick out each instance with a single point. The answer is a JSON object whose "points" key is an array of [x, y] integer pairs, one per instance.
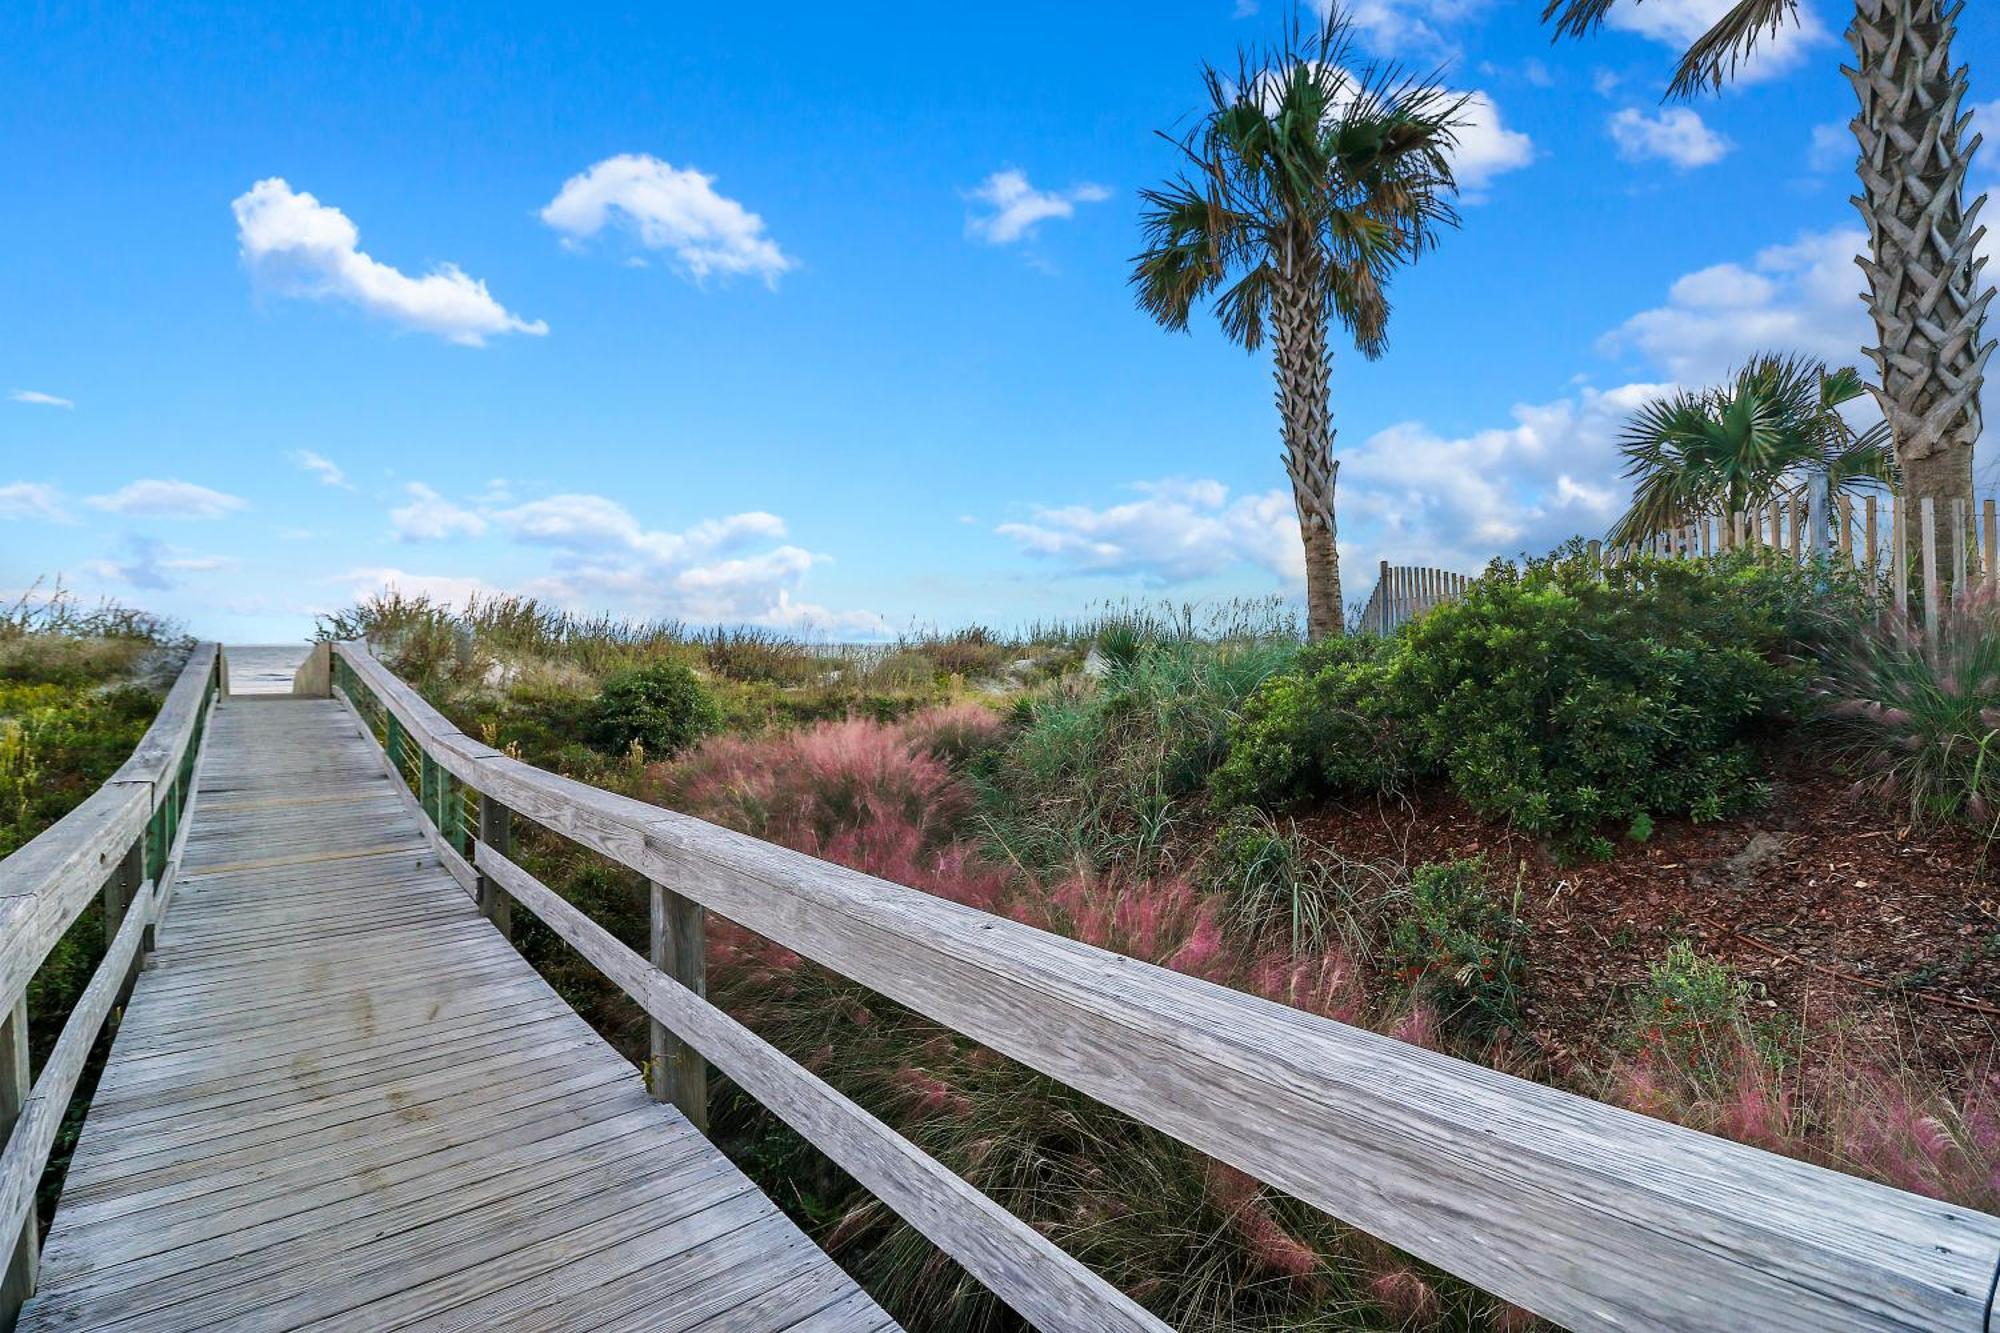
{"points": [[1916, 717]]}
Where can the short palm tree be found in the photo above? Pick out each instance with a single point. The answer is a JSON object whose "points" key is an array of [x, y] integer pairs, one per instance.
{"points": [[1923, 284], [1308, 179], [1730, 449]]}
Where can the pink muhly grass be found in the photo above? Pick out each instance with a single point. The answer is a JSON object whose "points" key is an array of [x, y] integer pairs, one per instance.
{"points": [[1403, 1294], [1418, 1027], [1266, 1241], [930, 1095]]}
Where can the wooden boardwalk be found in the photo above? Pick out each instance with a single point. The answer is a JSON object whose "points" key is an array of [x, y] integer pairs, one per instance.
{"points": [[339, 1099]]}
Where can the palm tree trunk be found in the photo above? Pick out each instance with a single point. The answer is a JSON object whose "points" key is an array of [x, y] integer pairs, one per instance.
{"points": [[1303, 409], [1921, 269]]}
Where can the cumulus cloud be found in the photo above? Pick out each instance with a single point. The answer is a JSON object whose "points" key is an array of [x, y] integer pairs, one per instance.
{"points": [[736, 570], [320, 466], [1678, 23], [1408, 494], [33, 499], [368, 581], [1011, 208], [1486, 148], [1800, 297], [1676, 134], [154, 566], [297, 246], [152, 498], [429, 517], [1407, 27], [1176, 530], [667, 208], [39, 399]]}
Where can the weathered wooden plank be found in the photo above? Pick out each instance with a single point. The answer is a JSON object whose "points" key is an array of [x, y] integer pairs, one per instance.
{"points": [[679, 948], [1016, 1262], [1582, 1212], [340, 1099], [19, 1251]]}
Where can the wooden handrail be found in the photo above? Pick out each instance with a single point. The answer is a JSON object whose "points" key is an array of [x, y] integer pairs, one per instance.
{"points": [[123, 842], [1581, 1212]]}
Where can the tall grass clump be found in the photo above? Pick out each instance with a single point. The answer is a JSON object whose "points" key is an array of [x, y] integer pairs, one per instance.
{"points": [[1102, 770], [1915, 716]]}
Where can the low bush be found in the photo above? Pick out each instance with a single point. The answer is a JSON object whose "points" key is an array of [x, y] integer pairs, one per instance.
{"points": [[1458, 949], [1916, 717], [663, 708], [1557, 695], [1690, 1006]]}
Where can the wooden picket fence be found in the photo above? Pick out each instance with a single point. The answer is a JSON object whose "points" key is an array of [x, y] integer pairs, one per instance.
{"points": [[1956, 545]]}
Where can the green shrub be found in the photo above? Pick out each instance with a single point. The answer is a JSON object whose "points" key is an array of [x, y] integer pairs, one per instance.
{"points": [[663, 708], [1687, 1004], [1325, 726], [1458, 950], [1918, 720], [1278, 884], [1555, 695]]}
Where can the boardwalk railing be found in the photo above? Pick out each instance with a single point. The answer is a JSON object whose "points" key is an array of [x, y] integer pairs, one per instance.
{"points": [[121, 846], [1581, 1212]]}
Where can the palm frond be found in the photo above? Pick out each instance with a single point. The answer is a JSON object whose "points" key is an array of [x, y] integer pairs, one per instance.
{"points": [[1715, 55]]}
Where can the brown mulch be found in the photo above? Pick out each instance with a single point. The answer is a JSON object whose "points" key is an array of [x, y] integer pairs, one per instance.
{"points": [[1833, 907]]}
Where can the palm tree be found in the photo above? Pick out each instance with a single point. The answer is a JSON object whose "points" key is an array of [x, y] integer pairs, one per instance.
{"points": [[1730, 449], [1923, 274], [1307, 180]]}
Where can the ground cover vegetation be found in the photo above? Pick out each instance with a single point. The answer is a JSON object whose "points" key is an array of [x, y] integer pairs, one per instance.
{"points": [[1705, 838], [79, 686]]}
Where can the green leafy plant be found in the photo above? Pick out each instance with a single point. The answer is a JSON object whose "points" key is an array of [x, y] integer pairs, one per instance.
{"points": [[1687, 1005], [1559, 696], [663, 708], [1458, 949]]}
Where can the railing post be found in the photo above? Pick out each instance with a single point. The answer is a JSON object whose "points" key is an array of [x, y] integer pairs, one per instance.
{"points": [[19, 1255], [496, 831], [121, 891], [677, 1073]]}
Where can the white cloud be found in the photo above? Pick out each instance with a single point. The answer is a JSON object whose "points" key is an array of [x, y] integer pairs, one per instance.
{"points": [[365, 582], [736, 570], [429, 517], [1833, 147], [320, 466], [1412, 496], [153, 565], [1406, 27], [1676, 134], [1485, 147], [1801, 297], [667, 208], [1604, 82], [153, 498], [1176, 531], [39, 399], [298, 246], [33, 499], [1678, 23], [1013, 207]]}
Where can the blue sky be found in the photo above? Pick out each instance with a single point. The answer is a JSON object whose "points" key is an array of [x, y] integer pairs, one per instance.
{"points": [[815, 317]]}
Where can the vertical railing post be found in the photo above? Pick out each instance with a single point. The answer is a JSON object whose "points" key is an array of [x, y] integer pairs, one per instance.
{"points": [[677, 1073], [19, 1255], [496, 830], [121, 891], [393, 742]]}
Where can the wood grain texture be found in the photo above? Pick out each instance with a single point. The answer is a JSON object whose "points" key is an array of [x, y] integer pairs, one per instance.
{"points": [[1016, 1262], [47, 884], [1582, 1212], [339, 1099]]}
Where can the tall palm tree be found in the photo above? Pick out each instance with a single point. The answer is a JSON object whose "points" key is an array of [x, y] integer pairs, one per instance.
{"points": [[1308, 178], [1923, 273], [1730, 449]]}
